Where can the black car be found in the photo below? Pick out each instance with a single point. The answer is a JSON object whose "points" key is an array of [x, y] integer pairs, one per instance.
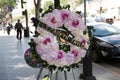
{"points": [[106, 41], [109, 20]]}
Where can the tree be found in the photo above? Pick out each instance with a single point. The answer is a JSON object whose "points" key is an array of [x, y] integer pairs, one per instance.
{"points": [[7, 5], [64, 2], [37, 4], [72, 3], [47, 3]]}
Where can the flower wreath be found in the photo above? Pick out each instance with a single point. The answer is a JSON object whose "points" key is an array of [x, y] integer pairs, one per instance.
{"points": [[59, 41]]}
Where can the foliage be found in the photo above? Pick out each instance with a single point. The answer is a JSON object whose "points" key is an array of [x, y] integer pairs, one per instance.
{"points": [[72, 3], [33, 11], [64, 2], [45, 7], [5, 3]]}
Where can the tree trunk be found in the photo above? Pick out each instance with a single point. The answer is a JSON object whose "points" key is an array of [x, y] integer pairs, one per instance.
{"points": [[37, 4]]}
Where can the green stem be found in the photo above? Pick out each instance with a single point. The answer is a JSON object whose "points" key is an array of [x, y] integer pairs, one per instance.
{"points": [[65, 74], [39, 73], [50, 74], [73, 74], [56, 75]]}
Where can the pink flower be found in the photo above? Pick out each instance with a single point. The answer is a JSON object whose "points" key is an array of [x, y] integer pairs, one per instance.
{"points": [[53, 19], [60, 54], [78, 52], [75, 23], [65, 14], [82, 52], [40, 50], [47, 40], [83, 42], [69, 59], [75, 52]]}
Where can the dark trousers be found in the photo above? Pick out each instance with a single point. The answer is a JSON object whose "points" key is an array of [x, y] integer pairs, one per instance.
{"points": [[19, 35]]}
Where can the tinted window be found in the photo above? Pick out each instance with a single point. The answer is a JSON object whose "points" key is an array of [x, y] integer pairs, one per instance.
{"points": [[103, 30]]}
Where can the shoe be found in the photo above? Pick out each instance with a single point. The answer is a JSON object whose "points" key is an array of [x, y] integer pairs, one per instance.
{"points": [[18, 38]]}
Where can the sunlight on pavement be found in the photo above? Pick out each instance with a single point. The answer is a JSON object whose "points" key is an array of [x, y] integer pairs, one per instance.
{"points": [[13, 32], [16, 57], [27, 78], [4, 33], [19, 65]]}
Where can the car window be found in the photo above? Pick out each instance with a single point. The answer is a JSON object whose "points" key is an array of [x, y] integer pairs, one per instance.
{"points": [[103, 30], [90, 20]]}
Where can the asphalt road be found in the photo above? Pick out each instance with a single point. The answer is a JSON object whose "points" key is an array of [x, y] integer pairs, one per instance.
{"points": [[112, 65]]}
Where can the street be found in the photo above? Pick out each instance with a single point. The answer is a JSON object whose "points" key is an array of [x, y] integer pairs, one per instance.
{"points": [[112, 65], [14, 67], [18, 54]]}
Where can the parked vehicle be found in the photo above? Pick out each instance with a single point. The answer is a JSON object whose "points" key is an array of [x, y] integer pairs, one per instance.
{"points": [[109, 20], [106, 41], [90, 20], [117, 24], [99, 19]]}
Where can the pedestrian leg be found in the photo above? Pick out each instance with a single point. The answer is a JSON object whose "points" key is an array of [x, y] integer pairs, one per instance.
{"points": [[20, 35], [17, 36]]}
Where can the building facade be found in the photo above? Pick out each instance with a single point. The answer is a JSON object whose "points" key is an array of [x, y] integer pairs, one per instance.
{"points": [[106, 8]]}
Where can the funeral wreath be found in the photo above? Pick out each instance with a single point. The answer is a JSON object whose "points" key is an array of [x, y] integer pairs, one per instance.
{"points": [[59, 41]]}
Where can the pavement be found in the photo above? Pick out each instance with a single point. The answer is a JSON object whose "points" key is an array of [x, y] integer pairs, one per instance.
{"points": [[14, 67]]}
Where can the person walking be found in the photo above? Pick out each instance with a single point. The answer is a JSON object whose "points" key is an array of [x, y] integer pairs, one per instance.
{"points": [[8, 29], [4, 26], [19, 28]]}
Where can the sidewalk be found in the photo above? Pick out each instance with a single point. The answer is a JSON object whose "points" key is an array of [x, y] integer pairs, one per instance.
{"points": [[14, 67]]}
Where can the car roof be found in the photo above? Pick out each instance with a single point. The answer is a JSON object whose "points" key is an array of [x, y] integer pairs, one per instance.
{"points": [[97, 23], [103, 26]]}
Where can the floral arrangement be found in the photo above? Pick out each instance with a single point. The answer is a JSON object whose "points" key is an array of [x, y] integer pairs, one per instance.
{"points": [[60, 42]]}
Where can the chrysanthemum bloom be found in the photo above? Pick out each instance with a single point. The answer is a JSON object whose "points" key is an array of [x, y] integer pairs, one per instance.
{"points": [[53, 19], [75, 22], [65, 15]]}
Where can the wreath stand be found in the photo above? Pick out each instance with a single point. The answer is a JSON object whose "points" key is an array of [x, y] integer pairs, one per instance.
{"points": [[51, 73]]}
